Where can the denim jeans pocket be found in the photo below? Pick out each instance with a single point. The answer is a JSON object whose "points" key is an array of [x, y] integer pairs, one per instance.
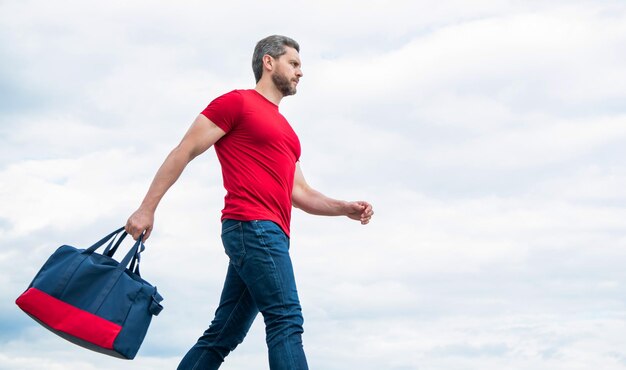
{"points": [[232, 238], [270, 234]]}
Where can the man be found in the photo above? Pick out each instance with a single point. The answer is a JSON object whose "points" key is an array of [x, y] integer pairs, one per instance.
{"points": [[258, 152]]}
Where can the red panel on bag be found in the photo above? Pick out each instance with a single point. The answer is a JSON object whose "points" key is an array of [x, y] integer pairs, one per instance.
{"points": [[69, 319]]}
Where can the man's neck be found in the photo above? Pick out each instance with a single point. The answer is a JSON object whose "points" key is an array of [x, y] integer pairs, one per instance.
{"points": [[269, 91]]}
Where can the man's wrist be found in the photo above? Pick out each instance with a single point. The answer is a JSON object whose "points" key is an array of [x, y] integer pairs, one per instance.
{"points": [[344, 207], [148, 206]]}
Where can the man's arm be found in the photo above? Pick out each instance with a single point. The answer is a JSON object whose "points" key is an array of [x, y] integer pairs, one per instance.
{"points": [[201, 136], [312, 201]]}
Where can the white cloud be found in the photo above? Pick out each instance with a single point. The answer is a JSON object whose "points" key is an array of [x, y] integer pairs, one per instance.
{"points": [[543, 141]]}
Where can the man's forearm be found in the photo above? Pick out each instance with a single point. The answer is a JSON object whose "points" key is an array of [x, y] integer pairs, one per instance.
{"points": [[313, 202], [165, 177]]}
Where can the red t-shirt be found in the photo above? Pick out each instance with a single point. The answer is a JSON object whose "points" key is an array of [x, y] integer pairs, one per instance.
{"points": [[258, 156]]}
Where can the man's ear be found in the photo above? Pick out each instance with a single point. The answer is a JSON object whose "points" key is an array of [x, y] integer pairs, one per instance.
{"points": [[268, 62]]}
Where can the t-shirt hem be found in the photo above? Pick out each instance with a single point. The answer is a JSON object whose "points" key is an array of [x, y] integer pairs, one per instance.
{"points": [[247, 218]]}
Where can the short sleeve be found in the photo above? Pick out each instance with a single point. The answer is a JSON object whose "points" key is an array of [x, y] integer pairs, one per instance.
{"points": [[225, 110]]}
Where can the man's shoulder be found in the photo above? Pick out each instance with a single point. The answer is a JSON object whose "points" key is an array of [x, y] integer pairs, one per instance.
{"points": [[238, 95], [240, 92], [229, 99]]}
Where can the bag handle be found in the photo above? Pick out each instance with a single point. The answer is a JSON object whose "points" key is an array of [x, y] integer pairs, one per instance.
{"points": [[133, 255], [111, 249], [108, 251], [100, 243]]}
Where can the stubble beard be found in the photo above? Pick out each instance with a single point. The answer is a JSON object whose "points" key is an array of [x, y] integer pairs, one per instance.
{"points": [[283, 84]]}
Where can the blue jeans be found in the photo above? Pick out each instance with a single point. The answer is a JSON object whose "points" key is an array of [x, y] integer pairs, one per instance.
{"points": [[259, 278]]}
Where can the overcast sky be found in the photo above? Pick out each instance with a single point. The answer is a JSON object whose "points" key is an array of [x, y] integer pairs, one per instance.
{"points": [[490, 137]]}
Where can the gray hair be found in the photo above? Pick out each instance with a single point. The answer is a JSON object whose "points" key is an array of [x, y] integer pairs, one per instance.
{"points": [[273, 46]]}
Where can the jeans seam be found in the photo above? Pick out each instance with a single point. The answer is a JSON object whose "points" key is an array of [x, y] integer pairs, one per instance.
{"points": [[235, 260], [275, 272], [261, 235], [195, 366]]}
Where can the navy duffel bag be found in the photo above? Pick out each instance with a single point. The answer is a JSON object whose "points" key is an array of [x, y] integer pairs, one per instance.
{"points": [[93, 300]]}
